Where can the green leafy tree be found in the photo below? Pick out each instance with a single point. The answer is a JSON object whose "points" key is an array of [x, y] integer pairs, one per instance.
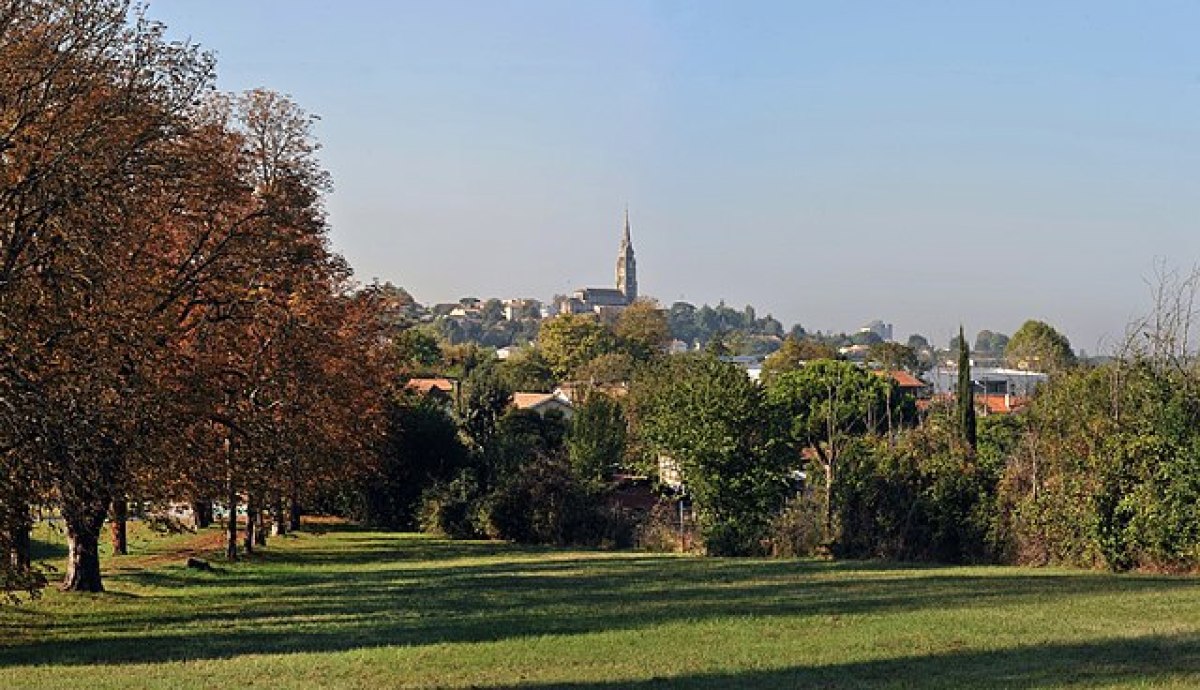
{"points": [[714, 422], [866, 338], [793, 353], [526, 370], [894, 357], [608, 368], [421, 448], [990, 342], [569, 341], [1036, 345], [918, 343], [643, 330], [416, 349], [483, 401], [965, 394], [826, 404], [597, 438]]}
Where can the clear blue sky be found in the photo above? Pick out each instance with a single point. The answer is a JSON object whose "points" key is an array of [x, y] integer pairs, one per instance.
{"points": [[922, 162]]}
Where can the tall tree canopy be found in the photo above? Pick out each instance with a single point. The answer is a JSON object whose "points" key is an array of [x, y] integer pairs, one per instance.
{"points": [[712, 420], [1037, 345]]}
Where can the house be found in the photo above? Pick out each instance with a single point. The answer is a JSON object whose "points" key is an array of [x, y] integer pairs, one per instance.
{"points": [[440, 388], [907, 383], [544, 403]]}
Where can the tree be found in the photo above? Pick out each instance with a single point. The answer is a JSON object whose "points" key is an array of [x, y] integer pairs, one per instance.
{"points": [[918, 343], [596, 438], [866, 338], [643, 330], [608, 368], [526, 370], [826, 404], [792, 355], [485, 399], [416, 349], [1036, 345], [965, 395], [421, 448], [96, 122], [893, 356], [990, 342], [681, 318], [714, 422], [569, 341]]}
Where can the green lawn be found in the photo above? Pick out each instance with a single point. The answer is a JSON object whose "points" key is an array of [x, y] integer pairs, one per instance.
{"points": [[369, 610]]}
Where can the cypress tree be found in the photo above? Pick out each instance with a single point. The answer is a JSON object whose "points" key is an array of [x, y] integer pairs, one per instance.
{"points": [[966, 393]]}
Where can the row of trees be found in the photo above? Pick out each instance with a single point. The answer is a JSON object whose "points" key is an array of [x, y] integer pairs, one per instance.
{"points": [[829, 456], [172, 322]]}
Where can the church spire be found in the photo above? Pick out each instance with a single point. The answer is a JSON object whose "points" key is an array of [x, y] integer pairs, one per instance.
{"points": [[627, 265]]}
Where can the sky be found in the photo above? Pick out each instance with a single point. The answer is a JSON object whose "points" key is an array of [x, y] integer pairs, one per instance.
{"points": [[924, 163]]}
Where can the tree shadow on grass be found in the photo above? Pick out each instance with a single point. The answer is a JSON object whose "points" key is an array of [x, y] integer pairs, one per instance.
{"points": [[374, 590], [1151, 659]]}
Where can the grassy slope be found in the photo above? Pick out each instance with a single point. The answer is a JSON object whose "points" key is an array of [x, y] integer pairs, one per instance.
{"points": [[369, 610]]}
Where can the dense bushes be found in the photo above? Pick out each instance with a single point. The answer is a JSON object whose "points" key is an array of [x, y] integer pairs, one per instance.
{"points": [[421, 448], [1109, 471], [1102, 470], [451, 509]]}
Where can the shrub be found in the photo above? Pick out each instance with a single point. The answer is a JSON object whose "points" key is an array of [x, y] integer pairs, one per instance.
{"points": [[660, 531], [798, 529], [544, 503], [451, 509]]}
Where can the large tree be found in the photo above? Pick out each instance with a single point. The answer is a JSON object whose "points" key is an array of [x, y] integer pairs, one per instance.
{"points": [[568, 341], [825, 404], [711, 419], [1037, 345], [95, 194], [643, 330]]}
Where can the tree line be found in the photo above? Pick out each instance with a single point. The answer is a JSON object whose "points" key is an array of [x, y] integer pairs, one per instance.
{"points": [[824, 456], [173, 324]]}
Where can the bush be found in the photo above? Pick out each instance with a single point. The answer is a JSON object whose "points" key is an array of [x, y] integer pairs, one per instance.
{"points": [[798, 530], [926, 499], [659, 531], [735, 537], [545, 503], [451, 509]]}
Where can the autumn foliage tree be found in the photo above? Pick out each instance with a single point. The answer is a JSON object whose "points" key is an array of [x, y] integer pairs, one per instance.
{"points": [[171, 318]]}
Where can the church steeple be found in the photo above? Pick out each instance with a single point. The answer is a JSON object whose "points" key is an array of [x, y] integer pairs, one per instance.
{"points": [[627, 265]]}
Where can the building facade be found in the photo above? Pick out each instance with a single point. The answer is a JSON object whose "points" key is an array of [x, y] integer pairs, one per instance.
{"points": [[608, 300]]}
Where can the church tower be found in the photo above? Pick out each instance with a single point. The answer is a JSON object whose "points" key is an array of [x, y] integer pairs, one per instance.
{"points": [[627, 266]]}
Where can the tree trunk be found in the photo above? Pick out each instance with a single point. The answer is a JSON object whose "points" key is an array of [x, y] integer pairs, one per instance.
{"points": [[251, 523], [83, 551], [829, 501], [231, 531], [120, 526], [22, 544], [279, 521], [260, 529], [294, 513], [202, 514]]}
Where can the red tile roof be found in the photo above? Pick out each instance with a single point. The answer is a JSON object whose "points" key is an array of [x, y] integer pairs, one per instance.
{"points": [[425, 386]]}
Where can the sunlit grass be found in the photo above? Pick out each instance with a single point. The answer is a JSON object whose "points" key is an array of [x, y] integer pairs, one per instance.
{"points": [[360, 609]]}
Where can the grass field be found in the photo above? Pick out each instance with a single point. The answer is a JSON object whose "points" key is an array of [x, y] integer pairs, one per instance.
{"points": [[368, 610]]}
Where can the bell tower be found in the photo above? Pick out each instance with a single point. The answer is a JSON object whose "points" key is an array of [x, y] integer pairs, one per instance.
{"points": [[627, 266]]}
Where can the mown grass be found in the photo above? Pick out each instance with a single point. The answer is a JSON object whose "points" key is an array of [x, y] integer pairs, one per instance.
{"points": [[368, 610]]}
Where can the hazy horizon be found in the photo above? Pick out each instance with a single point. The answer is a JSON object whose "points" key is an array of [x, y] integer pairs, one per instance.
{"points": [[829, 164]]}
